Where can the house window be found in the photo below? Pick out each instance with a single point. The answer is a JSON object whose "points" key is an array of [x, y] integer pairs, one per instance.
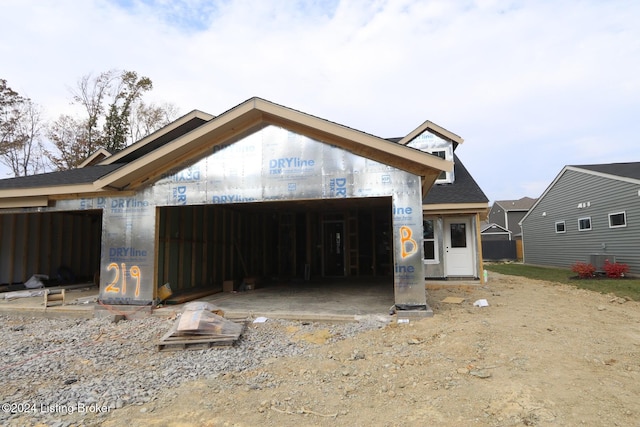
{"points": [[429, 242], [560, 227], [584, 224], [458, 235], [442, 155], [618, 219]]}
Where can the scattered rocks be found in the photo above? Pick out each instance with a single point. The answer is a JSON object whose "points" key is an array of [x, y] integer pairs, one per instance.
{"points": [[480, 373], [67, 364]]}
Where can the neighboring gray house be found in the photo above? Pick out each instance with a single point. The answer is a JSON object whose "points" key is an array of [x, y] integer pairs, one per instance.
{"points": [[507, 214], [501, 233], [589, 213]]}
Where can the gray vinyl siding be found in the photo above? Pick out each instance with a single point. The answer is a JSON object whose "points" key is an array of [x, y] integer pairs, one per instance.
{"points": [[514, 220], [543, 246], [496, 215]]}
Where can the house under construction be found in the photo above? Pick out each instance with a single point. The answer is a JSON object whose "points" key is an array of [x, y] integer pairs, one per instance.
{"points": [[260, 191]]}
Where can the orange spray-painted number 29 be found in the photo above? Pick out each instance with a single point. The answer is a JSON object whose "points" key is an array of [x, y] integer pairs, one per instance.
{"points": [[118, 286]]}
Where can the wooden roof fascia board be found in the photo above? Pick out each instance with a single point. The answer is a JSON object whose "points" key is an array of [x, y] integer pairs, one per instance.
{"points": [[86, 195], [157, 134], [455, 208], [94, 158], [439, 130], [48, 192], [403, 162], [226, 126], [183, 159], [24, 202], [428, 182], [387, 155], [355, 141], [200, 147], [249, 115]]}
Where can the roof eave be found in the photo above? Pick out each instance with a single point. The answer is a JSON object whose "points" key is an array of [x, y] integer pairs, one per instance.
{"points": [[195, 114], [256, 113], [24, 202], [43, 195]]}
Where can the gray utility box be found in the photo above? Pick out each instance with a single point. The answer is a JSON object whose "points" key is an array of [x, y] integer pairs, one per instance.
{"points": [[597, 260]]}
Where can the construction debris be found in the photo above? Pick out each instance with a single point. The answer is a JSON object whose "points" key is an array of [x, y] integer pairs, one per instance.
{"points": [[36, 281], [23, 294], [164, 292], [53, 296], [201, 326]]}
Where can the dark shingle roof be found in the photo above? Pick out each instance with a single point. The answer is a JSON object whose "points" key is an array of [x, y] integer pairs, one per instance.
{"points": [[176, 133], [85, 175], [523, 204], [89, 174], [625, 170], [463, 190]]}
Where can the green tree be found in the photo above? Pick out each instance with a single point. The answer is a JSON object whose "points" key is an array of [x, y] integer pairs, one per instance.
{"points": [[115, 116], [118, 118]]}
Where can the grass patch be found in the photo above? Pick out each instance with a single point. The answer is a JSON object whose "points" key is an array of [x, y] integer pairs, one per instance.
{"points": [[625, 288]]}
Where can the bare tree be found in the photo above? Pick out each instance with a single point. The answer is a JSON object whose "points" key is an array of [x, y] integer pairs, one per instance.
{"points": [[21, 128], [10, 102], [25, 153], [91, 94], [71, 139], [111, 101], [146, 119]]}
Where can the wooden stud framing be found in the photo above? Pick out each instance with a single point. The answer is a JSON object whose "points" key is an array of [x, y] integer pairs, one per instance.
{"points": [[39, 243], [25, 245], [12, 248], [49, 264]]}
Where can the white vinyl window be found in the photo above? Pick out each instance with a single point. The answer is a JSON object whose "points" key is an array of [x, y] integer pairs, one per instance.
{"points": [[618, 219], [561, 227], [429, 242], [444, 177], [584, 224], [443, 155]]}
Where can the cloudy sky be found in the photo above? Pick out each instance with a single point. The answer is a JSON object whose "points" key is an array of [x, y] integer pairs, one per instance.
{"points": [[531, 86]]}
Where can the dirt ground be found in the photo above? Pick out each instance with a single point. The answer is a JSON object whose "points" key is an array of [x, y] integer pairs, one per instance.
{"points": [[541, 354]]}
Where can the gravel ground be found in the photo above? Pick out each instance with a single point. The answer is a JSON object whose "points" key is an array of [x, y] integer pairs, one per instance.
{"points": [[64, 372], [540, 354]]}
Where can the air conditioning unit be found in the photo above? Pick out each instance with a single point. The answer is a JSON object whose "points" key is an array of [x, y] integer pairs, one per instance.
{"points": [[597, 260]]}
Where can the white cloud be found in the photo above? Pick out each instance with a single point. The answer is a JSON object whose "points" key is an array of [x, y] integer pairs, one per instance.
{"points": [[521, 82]]}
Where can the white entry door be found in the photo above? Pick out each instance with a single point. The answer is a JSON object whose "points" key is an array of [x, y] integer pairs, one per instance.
{"points": [[458, 246]]}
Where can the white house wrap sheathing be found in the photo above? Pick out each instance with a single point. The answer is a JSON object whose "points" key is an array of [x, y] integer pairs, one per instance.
{"points": [[271, 164]]}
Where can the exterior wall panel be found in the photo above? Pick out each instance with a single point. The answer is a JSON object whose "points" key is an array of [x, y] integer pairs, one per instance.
{"points": [[576, 195], [42, 242]]}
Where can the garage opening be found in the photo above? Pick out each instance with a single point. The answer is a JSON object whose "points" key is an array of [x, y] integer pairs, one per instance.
{"points": [[321, 241], [65, 246]]}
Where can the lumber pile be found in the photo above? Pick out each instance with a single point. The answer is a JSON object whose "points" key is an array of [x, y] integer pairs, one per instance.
{"points": [[201, 325]]}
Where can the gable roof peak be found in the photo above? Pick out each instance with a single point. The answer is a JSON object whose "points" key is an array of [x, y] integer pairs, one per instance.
{"points": [[524, 203], [435, 129]]}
